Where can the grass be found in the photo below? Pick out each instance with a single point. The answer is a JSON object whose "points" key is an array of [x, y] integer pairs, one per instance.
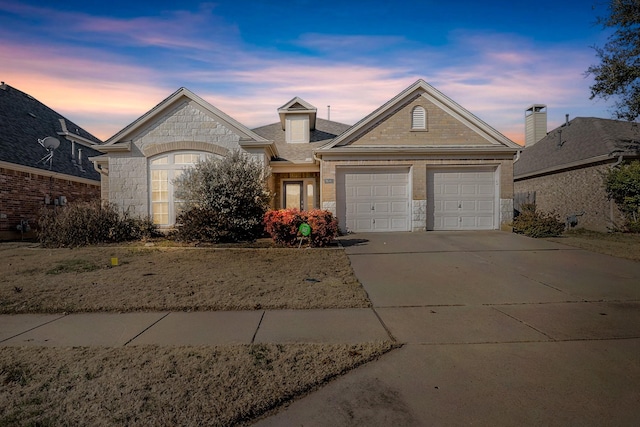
{"points": [[175, 279], [621, 245], [150, 386], [71, 266]]}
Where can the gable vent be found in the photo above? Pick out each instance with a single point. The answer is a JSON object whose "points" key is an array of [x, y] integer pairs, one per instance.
{"points": [[418, 118]]}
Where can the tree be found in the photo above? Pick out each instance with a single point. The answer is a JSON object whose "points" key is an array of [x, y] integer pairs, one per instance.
{"points": [[622, 185], [223, 200], [618, 74]]}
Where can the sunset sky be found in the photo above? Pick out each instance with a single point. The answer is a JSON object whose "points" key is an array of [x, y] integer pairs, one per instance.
{"points": [[103, 64]]}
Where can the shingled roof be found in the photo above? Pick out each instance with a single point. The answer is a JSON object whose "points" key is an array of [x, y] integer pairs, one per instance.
{"points": [[324, 132], [24, 120], [583, 140]]}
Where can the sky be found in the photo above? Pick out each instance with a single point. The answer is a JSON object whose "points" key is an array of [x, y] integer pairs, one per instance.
{"points": [[104, 64]]}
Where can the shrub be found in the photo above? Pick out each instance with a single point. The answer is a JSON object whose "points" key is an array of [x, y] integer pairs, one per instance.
{"points": [[224, 200], [90, 223], [534, 223], [282, 225], [622, 185]]}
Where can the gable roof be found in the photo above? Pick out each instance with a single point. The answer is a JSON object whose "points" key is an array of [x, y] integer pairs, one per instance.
{"points": [[438, 98], [584, 140], [117, 142], [24, 120], [324, 132], [298, 106]]}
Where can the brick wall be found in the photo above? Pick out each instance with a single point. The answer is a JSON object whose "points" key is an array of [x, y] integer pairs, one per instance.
{"points": [[22, 195], [572, 192], [277, 186], [442, 128]]}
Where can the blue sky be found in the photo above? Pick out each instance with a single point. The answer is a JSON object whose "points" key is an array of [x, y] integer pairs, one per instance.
{"points": [[105, 64]]}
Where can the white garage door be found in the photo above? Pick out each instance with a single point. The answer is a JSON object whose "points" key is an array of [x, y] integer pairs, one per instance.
{"points": [[461, 199], [374, 200]]}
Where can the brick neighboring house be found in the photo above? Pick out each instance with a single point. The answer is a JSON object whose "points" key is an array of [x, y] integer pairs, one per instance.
{"points": [[27, 183], [564, 167], [420, 161]]}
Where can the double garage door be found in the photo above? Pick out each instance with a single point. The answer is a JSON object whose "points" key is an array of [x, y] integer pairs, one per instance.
{"points": [[379, 199]]}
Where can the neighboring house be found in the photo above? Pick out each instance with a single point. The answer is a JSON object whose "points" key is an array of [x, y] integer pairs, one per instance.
{"points": [[28, 181], [562, 171], [418, 162]]}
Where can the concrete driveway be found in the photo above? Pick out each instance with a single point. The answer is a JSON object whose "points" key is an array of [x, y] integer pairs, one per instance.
{"points": [[498, 329]]}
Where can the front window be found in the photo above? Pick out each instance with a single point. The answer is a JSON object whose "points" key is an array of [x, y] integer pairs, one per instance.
{"points": [[163, 170]]}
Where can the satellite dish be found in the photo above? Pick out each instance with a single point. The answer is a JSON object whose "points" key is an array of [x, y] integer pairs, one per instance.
{"points": [[50, 143]]}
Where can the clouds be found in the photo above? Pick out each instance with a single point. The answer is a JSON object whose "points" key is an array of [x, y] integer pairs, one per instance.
{"points": [[105, 71]]}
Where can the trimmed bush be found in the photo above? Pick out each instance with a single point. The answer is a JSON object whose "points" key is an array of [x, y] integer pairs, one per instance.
{"points": [[282, 225], [90, 223], [622, 185], [224, 200], [534, 223]]}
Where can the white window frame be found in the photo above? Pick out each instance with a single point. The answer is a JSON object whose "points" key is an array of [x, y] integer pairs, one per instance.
{"points": [[172, 170]]}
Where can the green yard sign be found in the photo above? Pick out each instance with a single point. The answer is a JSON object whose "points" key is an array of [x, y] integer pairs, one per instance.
{"points": [[304, 229]]}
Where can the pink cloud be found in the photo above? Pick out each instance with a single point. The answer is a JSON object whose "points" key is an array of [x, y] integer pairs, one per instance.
{"points": [[495, 77], [173, 30]]}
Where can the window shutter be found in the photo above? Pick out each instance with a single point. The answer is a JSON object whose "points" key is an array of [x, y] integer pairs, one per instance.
{"points": [[297, 129]]}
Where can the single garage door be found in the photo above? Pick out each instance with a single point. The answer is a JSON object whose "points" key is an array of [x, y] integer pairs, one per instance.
{"points": [[374, 199], [461, 199]]}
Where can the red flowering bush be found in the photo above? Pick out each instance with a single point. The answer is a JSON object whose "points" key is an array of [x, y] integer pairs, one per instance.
{"points": [[282, 225]]}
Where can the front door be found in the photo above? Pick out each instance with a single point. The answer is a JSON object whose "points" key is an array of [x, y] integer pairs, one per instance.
{"points": [[293, 195]]}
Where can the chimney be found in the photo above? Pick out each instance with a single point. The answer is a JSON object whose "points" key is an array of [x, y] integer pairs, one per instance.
{"points": [[535, 124]]}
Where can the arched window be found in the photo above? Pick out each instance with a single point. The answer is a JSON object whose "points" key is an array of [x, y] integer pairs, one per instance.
{"points": [[163, 169], [418, 118]]}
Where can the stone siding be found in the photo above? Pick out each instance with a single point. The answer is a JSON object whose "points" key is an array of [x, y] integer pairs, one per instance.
{"points": [[573, 192], [129, 183], [186, 122], [23, 195], [183, 127]]}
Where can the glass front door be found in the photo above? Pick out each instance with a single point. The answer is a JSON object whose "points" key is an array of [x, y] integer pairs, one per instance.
{"points": [[293, 196]]}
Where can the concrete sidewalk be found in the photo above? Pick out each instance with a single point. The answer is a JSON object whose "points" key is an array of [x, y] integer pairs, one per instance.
{"points": [[498, 329], [193, 328]]}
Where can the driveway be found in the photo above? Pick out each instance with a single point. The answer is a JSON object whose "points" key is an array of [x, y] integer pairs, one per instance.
{"points": [[497, 329]]}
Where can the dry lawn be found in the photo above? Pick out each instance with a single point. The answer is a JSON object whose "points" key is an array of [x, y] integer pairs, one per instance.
{"points": [[153, 386], [37, 280], [621, 245], [150, 385]]}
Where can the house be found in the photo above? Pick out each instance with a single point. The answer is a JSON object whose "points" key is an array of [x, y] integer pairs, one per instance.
{"points": [[563, 169], [32, 176], [419, 162]]}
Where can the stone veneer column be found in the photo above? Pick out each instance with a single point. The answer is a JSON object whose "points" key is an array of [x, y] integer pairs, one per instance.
{"points": [[419, 215]]}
